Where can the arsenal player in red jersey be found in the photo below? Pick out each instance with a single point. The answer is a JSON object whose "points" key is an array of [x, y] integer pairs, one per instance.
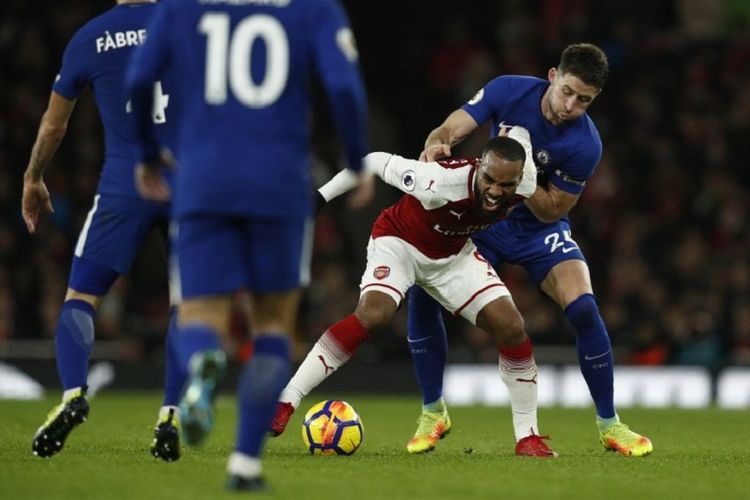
{"points": [[424, 239]]}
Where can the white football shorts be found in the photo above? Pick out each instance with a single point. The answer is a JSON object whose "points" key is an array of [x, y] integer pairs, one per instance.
{"points": [[463, 283]]}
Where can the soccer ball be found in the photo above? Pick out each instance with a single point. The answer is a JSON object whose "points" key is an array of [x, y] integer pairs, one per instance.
{"points": [[332, 427]]}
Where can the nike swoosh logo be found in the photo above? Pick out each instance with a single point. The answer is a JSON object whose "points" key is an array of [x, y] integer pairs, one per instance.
{"points": [[419, 340], [589, 358]]}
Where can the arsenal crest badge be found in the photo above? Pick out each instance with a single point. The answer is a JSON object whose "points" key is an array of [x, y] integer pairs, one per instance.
{"points": [[381, 272]]}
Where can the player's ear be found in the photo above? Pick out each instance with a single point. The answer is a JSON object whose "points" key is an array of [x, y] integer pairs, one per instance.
{"points": [[552, 74]]}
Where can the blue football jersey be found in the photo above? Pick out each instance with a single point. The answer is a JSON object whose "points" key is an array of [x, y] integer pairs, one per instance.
{"points": [[98, 55], [243, 67], [565, 155]]}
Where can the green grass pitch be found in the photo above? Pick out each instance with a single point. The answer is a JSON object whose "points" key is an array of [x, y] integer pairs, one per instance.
{"points": [[698, 454]]}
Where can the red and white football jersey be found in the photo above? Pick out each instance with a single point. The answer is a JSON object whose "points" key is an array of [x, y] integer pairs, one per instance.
{"points": [[437, 214]]}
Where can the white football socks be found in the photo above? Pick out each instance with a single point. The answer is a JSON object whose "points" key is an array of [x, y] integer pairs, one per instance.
{"points": [[322, 360], [244, 466], [520, 378]]}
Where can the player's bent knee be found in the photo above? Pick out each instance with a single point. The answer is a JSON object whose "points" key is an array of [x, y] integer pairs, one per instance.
{"points": [[567, 281], [501, 318], [375, 309], [510, 333], [583, 312], [373, 318]]}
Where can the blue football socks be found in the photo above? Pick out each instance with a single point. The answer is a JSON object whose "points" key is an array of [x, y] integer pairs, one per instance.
{"points": [[74, 339], [428, 343], [175, 374], [261, 382], [594, 352]]}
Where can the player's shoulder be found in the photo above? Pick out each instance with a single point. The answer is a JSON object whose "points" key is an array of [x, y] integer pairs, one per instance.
{"points": [[582, 146], [517, 83], [121, 13], [109, 22], [587, 135], [90, 27], [511, 88], [324, 4], [300, 15], [331, 9], [270, 5]]}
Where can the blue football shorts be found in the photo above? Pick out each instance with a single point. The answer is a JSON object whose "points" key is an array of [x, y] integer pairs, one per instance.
{"points": [[109, 241], [538, 248], [219, 254]]}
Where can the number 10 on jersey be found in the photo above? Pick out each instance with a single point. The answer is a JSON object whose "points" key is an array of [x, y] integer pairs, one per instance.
{"points": [[228, 64]]}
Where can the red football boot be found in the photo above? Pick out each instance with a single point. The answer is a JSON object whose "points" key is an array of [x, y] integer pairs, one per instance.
{"points": [[534, 446], [283, 414]]}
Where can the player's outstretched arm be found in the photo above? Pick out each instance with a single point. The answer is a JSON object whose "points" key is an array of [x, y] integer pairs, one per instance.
{"points": [[51, 132], [453, 130], [402, 173], [346, 180], [364, 193]]}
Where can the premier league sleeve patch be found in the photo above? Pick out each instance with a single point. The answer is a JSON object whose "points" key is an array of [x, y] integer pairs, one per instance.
{"points": [[347, 45], [477, 97], [407, 180]]}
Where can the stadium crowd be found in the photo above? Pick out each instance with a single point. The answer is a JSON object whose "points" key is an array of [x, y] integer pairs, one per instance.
{"points": [[664, 222]]}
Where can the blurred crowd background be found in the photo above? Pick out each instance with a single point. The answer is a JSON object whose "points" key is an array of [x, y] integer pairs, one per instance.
{"points": [[664, 222]]}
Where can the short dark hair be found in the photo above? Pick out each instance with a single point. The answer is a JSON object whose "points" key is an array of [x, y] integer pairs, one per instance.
{"points": [[506, 148], [586, 61]]}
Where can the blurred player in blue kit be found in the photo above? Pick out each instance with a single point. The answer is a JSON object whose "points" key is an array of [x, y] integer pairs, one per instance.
{"points": [[536, 235], [243, 194], [119, 219]]}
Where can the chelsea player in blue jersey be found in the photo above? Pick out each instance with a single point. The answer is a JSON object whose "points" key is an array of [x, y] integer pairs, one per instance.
{"points": [[118, 221], [536, 235], [243, 194]]}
